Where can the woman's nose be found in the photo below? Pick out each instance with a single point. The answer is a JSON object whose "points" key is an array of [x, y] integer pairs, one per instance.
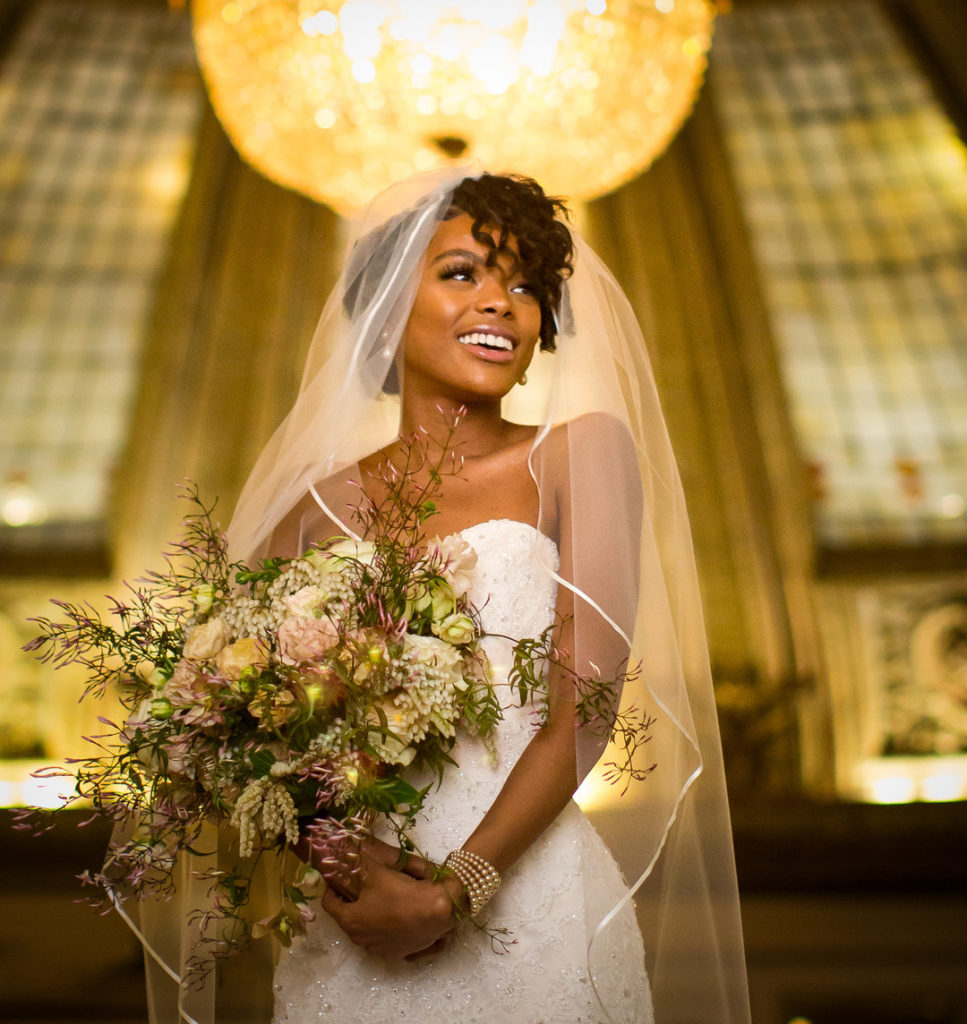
{"points": [[493, 296]]}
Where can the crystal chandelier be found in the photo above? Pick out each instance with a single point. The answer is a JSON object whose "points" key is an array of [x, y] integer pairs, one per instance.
{"points": [[337, 99]]}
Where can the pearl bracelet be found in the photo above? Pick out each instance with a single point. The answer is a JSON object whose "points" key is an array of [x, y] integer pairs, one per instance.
{"points": [[478, 877]]}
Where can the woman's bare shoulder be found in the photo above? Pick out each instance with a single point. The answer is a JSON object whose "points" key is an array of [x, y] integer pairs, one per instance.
{"points": [[589, 433]]}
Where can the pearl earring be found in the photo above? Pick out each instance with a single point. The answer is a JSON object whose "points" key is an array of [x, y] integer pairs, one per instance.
{"points": [[522, 379]]}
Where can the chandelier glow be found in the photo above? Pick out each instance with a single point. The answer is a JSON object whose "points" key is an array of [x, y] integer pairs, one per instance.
{"points": [[339, 99]]}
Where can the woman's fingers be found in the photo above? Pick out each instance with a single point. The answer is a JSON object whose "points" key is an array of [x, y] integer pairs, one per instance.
{"points": [[395, 915], [346, 885], [392, 856]]}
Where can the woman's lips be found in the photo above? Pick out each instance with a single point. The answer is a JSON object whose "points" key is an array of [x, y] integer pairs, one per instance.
{"points": [[494, 348]]}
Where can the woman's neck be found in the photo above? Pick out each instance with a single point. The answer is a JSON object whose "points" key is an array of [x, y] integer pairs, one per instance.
{"points": [[477, 429]]}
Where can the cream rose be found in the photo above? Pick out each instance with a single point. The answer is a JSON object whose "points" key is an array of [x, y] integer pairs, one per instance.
{"points": [[232, 660], [396, 721], [432, 650], [206, 640]]}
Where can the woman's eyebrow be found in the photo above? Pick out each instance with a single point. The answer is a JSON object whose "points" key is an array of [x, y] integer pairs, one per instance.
{"points": [[465, 253]]}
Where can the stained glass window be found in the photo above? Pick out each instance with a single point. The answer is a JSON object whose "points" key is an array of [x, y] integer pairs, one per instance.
{"points": [[854, 186]]}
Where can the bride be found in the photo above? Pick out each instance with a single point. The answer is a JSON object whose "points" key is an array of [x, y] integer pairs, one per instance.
{"points": [[458, 294]]}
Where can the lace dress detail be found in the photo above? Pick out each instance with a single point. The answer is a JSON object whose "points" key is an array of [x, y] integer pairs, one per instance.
{"points": [[550, 900]]}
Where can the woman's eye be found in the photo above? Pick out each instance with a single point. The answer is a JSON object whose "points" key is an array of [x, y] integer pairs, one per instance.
{"points": [[458, 272], [523, 288]]}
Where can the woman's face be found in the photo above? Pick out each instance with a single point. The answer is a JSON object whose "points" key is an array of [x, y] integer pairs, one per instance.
{"points": [[473, 327]]}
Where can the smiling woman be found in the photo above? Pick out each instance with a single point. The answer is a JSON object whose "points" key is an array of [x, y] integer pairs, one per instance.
{"points": [[572, 526], [469, 336]]}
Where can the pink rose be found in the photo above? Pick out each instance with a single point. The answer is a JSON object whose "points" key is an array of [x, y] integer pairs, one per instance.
{"points": [[303, 640]]}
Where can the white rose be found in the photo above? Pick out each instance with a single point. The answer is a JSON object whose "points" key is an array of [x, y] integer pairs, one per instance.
{"points": [[206, 640], [430, 650], [305, 602]]}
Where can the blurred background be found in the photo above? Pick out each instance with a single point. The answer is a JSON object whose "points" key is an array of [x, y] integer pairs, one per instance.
{"points": [[798, 257]]}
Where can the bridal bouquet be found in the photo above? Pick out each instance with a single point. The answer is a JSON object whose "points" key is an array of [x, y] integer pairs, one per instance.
{"points": [[293, 693], [299, 689]]}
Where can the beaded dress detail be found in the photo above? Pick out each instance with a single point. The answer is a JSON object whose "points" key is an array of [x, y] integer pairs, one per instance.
{"points": [[549, 900]]}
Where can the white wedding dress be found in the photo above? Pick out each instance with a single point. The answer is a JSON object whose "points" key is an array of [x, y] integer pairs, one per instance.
{"points": [[566, 879]]}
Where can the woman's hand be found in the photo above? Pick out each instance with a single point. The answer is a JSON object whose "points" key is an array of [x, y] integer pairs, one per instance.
{"points": [[395, 915]]}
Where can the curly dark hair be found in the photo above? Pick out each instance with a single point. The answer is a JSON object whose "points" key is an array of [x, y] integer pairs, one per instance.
{"points": [[512, 204]]}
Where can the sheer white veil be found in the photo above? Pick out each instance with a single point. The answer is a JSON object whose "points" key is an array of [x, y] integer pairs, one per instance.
{"points": [[610, 496]]}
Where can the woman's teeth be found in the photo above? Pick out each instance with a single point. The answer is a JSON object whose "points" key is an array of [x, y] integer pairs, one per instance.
{"points": [[487, 341]]}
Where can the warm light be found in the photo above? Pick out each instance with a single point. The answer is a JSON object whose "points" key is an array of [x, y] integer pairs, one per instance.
{"points": [[20, 788], [952, 506], [943, 786], [900, 780], [324, 23], [20, 504], [595, 793], [163, 181], [895, 789], [340, 101]]}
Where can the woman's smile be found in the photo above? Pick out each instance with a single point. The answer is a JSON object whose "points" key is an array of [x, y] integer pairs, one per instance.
{"points": [[489, 345]]}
